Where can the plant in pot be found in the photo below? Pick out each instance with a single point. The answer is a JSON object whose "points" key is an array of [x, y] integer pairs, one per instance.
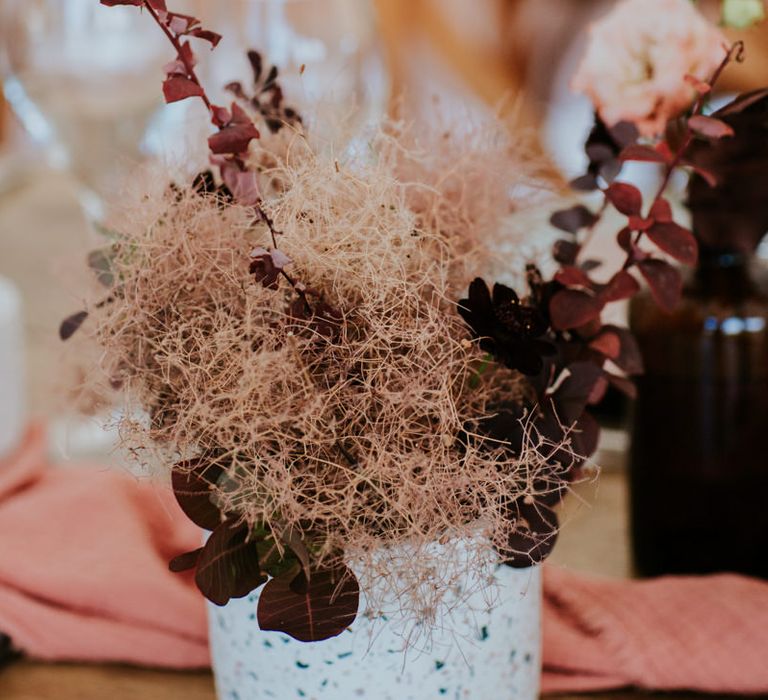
{"points": [[375, 452]]}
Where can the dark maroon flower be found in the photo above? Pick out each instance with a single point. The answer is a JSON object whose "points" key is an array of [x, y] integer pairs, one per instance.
{"points": [[509, 330]]}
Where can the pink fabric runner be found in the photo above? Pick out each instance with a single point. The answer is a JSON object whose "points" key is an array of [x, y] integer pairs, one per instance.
{"points": [[84, 577]]}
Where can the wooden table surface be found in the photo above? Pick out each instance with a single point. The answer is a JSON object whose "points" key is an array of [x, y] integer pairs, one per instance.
{"points": [[45, 217]]}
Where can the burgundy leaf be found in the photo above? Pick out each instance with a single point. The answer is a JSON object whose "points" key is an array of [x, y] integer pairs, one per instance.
{"points": [[114, 3], [192, 485], [310, 610], [639, 223], [709, 127], [573, 394], [641, 153], [625, 197], [624, 133], [570, 276], [624, 385], [229, 565], [624, 239], [221, 116], [187, 55], [674, 240], [661, 210], [586, 435], [622, 286], [665, 282], [598, 392], [179, 87], [69, 326], [206, 35], [574, 219], [584, 183], [608, 344], [742, 102], [244, 185], [629, 359], [565, 252], [233, 139], [185, 562], [708, 175], [571, 308]]}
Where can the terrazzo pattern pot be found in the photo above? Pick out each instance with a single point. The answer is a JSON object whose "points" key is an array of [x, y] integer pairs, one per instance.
{"points": [[474, 654]]}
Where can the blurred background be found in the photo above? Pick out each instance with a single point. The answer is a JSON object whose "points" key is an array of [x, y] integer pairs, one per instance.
{"points": [[81, 105]]}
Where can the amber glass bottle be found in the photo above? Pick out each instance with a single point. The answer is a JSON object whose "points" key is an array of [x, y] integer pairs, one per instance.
{"points": [[699, 454]]}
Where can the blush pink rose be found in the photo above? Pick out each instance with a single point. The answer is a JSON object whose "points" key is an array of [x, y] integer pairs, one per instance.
{"points": [[637, 59]]}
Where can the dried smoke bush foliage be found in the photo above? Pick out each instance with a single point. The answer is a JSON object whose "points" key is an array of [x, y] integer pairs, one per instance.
{"points": [[293, 332], [350, 437]]}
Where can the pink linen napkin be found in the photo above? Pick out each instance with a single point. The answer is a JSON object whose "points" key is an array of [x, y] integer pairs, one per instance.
{"points": [[84, 577], [84, 566], [707, 633]]}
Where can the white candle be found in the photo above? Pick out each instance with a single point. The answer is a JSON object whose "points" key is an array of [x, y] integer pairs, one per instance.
{"points": [[12, 395]]}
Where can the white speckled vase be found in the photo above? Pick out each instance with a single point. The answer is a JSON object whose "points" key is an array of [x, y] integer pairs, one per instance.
{"points": [[474, 654]]}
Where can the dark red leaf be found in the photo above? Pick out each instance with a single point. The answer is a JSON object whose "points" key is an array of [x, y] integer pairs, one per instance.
{"points": [[565, 252], [624, 133], [206, 35], [742, 102], [310, 610], [622, 286], [629, 359], [639, 223], [584, 183], [646, 154], [187, 55], [570, 276], [625, 197], [574, 219], [571, 308], [114, 3], [185, 562], [624, 239], [236, 136], [708, 175], [69, 326], [233, 139], [179, 87], [709, 127], [192, 485], [624, 385], [229, 564], [661, 210], [586, 435], [674, 240], [665, 282], [598, 392], [572, 396], [607, 344]]}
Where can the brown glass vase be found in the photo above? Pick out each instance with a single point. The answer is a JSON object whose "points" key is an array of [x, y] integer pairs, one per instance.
{"points": [[699, 450]]}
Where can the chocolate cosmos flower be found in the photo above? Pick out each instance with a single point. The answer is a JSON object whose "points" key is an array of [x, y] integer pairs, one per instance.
{"points": [[509, 330]]}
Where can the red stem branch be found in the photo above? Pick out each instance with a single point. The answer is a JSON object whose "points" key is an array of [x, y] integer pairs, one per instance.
{"points": [[177, 45]]}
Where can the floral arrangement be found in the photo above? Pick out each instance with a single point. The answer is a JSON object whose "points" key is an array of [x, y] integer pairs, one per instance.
{"points": [[296, 331]]}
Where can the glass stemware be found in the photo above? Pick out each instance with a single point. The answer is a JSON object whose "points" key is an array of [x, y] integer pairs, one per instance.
{"points": [[84, 81]]}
